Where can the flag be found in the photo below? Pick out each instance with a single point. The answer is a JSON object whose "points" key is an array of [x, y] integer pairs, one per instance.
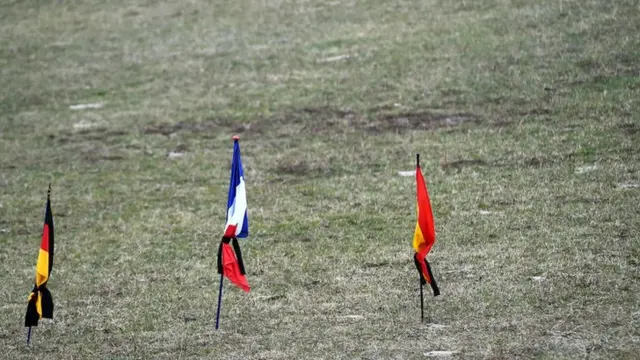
{"points": [[424, 235], [230, 262], [40, 301], [237, 224]]}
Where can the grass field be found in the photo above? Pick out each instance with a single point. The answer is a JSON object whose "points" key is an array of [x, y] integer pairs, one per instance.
{"points": [[526, 115]]}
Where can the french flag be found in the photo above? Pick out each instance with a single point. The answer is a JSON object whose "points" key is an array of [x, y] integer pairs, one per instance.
{"points": [[237, 221]]}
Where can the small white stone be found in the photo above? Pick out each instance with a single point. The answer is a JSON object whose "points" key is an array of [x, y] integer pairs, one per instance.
{"points": [[336, 58], [586, 168], [407, 173], [83, 125], [437, 326], [86, 106], [629, 185], [173, 155], [352, 317], [439, 353]]}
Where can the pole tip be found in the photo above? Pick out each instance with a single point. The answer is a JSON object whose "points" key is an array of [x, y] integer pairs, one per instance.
{"points": [[236, 137]]}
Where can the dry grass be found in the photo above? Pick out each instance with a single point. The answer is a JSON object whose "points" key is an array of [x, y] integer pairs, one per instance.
{"points": [[525, 114]]}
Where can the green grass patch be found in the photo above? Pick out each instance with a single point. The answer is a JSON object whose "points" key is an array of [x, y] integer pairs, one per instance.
{"points": [[525, 115]]}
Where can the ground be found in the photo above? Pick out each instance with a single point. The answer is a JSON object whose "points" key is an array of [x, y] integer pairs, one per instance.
{"points": [[525, 114]]}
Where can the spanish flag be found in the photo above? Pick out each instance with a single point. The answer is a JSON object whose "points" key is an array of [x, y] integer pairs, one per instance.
{"points": [[40, 302], [424, 235]]}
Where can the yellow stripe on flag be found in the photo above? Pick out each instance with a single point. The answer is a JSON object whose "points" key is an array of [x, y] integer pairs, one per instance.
{"points": [[42, 268], [418, 238], [39, 305]]}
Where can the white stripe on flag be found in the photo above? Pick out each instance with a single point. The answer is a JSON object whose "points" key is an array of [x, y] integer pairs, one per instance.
{"points": [[235, 214]]}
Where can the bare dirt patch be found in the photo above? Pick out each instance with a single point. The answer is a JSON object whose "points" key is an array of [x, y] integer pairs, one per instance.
{"points": [[535, 112], [309, 119], [371, 265], [93, 134], [319, 120], [424, 120], [326, 120], [629, 128], [204, 128], [533, 161], [96, 154]]}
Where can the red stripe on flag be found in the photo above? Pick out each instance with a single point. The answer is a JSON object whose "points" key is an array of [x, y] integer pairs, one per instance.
{"points": [[230, 231], [44, 245]]}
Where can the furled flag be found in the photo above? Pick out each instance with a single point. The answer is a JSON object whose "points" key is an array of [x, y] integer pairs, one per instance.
{"points": [[425, 233], [40, 301], [237, 225], [230, 262]]}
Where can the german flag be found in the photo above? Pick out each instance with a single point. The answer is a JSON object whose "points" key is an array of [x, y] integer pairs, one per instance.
{"points": [[40, 300], [424, 235]]}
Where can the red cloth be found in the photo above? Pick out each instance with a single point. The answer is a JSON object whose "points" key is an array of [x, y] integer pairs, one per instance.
{"points": [[231, 269]]}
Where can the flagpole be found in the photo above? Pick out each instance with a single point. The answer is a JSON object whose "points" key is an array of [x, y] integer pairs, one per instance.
{"points": [[421, 302], [420, 277], [219, 301], [29, 335]]}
